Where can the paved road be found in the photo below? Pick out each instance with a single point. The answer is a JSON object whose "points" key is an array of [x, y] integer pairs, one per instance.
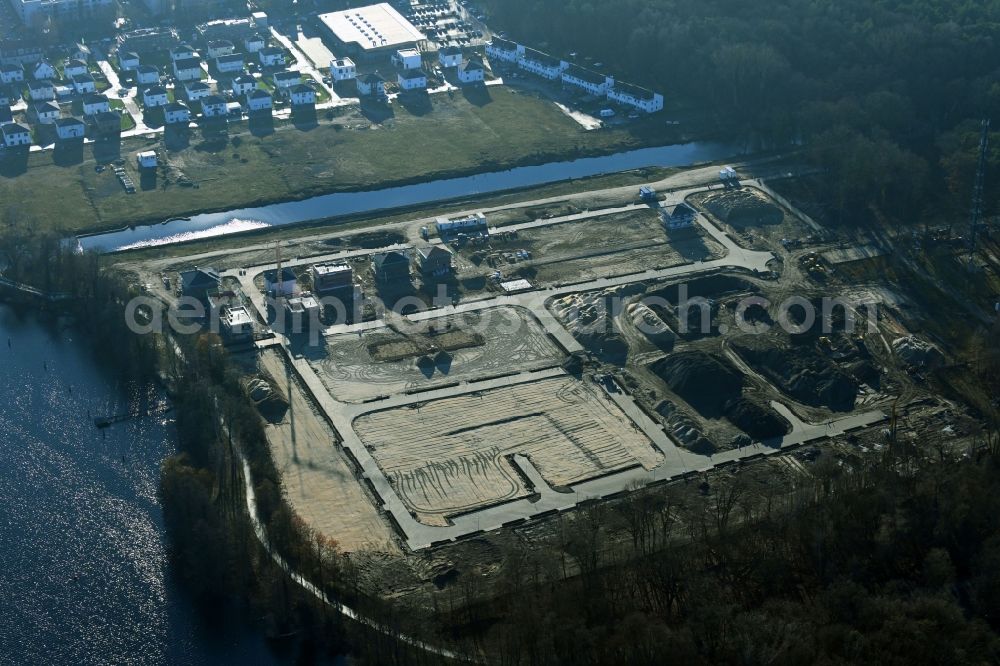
{"points": [[128, 99], [690, 179], [304, 65], [676, 463], [736, 258]]}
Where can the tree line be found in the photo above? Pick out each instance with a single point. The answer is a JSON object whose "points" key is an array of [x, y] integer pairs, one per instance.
{"points": [[895, 561], [887, 96]]}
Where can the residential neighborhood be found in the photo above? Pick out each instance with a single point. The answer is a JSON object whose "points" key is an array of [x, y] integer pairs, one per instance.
{"points": [[153, 78]]}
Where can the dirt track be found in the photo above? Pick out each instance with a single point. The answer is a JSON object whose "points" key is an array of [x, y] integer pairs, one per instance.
{"points": [[318, 480]]}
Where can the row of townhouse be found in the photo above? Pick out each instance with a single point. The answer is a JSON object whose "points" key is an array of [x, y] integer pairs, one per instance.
{"points": [[373, 85], [42, 70], [75, 72], [551, 68], [31, 56], [411, 76], [98, 125], [186, 62], [46, 91], [244, 87], [41, 114]]}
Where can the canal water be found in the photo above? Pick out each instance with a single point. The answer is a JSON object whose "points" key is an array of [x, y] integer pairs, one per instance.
{"points": [[84, 573], [349, 203]]}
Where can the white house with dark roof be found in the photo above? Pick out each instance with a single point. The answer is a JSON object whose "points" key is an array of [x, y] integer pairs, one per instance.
{"points": [[6, 96], [391, 266], [258, 101], [271, 56], [412, 79], [84, 84], [6, 117], [450, 56], [68, 129], [15, 135], [182, 52], [636, 97], [588, 80], [155, 96], [213, 106], [504, 50], [95, 103], [220, 47], [542, 64], [176, 113], [41, 91], [285, 80], [243, 84], [434, 260], [229, 64], [343, 69], [302, 95], [371, 85], [200, 281], [74, 68], [254, 43], [128, 61], [44, 113], [678, 216], [147, 75], [104, 124], [197, 90], [43, 70], [472, 71], [188, 69], [12, 73]]}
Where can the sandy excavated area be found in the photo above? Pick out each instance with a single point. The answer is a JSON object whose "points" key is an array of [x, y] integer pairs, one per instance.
{"points": [[317, 478], [605, 246], [514, 341], [449, 456]]}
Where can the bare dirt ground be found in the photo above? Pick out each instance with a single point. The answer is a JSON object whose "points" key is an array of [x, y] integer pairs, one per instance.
{"points": [[450, 455], [600, 247], [317, 478], [755, 218], [512, 341]]}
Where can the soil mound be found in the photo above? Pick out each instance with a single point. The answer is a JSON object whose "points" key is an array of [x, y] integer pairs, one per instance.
{"points": [[712, 286], [804, 375], [917, 352], [756, 420], [265, 396], [684, 429], [704, 381], [743, 208]]}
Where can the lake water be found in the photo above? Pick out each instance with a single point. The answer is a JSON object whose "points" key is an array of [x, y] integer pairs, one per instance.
{"points": [[84, 575], [349, 203]]}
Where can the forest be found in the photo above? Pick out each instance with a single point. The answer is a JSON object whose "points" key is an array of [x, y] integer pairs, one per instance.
{"points": [[887, 96]]}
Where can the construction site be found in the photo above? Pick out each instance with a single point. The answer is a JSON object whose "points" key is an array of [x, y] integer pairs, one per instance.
{"points": [[497, 367]]}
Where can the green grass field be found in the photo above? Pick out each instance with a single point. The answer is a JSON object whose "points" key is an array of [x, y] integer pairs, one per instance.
{"points": [[445, 136]]}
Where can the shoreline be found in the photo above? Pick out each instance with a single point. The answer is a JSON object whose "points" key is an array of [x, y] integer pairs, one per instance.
{"points": [[378, 212], [535, 160]]}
